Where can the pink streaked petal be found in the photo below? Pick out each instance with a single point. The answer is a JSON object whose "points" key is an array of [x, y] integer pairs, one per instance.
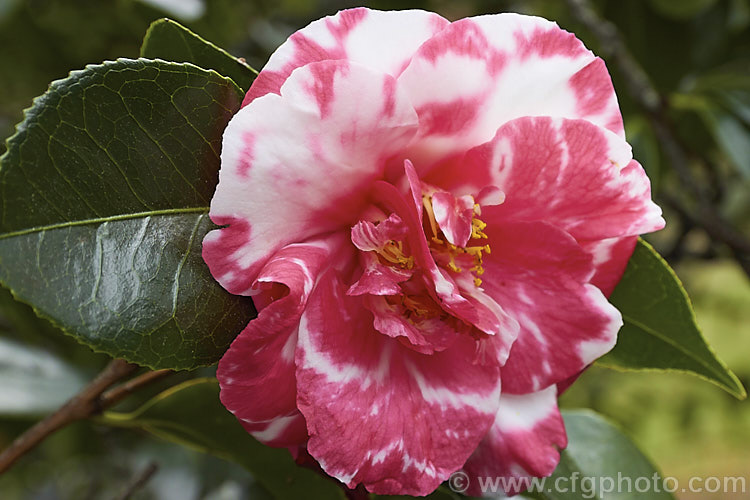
{"points": [[257, 373], [541, 275], [491, 69], [423, 335], [349, 35], [415, 186], [360, 392], [378, 279], [316, 150], [490, 196], [368, 236], [220, 251], [281, 432], [454, 216], [611, 257], [569, 173], [488, 316], [523, 442]]}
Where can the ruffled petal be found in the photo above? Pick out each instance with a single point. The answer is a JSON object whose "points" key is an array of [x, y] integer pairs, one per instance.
{"points": [[257, 373], [541, 276], [349, 35], [523, 442], [361, 391], [300, 164], [568, 173], [485, 71], [611, 257], [368, 236], [378, 279]]}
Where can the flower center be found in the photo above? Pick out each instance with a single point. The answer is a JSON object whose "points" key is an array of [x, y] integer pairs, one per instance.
{"points": [[416, 307], [452, 256]]}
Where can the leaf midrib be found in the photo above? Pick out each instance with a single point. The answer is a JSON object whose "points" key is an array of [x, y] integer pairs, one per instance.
{"points": [[672, 343], [100, 220]]}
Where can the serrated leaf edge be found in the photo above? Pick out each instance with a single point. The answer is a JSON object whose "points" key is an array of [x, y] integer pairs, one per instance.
{"points": [[738, 391], [166, 20]]}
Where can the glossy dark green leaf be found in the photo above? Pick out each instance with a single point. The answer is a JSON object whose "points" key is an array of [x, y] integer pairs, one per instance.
{"points": [[660, 331], [191, 414], [105, 191], [601, 462], [169, 40]]}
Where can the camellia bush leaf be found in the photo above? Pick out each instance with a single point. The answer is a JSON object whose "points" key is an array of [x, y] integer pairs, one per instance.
{"points": [[660, 331], [169, 40], [191, 414], [105, 190], [601, 462]]}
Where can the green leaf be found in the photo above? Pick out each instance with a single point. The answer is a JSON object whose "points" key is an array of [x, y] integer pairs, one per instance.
{"points": [[660, 331], [721, 98], [105, 191], [35, 382], [191, 414], [733, 137], [169, 40], [600, 462]]}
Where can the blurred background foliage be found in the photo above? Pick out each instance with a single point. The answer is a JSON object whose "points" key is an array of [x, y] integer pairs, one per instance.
{"points": [[696, 54]]}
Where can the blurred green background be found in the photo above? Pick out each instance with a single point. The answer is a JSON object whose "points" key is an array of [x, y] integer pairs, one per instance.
{"points": [[696, 53]]}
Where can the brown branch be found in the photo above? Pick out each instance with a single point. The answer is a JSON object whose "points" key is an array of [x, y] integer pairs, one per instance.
{"points": [[91, 400], [114, 396], [139, 481], [643, 92]]}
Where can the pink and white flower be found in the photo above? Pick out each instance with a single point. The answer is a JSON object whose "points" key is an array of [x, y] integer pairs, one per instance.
{"points": [[429, 217]]}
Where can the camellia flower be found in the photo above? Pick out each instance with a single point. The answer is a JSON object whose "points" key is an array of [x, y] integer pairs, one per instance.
{"points": [[429, 216]]}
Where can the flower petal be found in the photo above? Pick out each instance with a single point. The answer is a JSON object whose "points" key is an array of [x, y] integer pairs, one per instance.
{"points": [[300, 164], [522, 443], [611, 257], [453, 216], [378, 279], [368, 236], [257, 373], [569, 173], [540, 275], [360, 392], [485, 71], [349, 35]]}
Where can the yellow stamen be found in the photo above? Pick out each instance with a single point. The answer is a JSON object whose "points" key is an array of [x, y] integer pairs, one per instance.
{"points": [[427, 203], [477, 227], [393, 252], [440, 246]]}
